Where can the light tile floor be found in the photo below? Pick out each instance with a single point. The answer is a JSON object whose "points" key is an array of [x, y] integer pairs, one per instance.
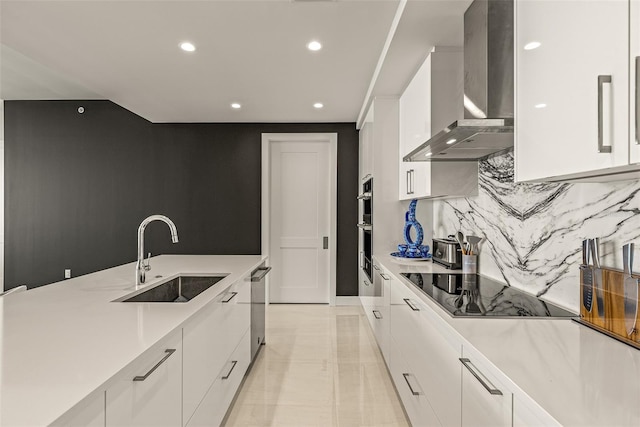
{"points": [[321, 367]]}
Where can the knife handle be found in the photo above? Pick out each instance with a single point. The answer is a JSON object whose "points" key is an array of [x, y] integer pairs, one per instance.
{"points": [[595, 253], [627, 258], [585, 252]]}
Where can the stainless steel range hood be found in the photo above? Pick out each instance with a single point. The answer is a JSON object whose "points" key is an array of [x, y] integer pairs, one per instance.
{"points": [[487, 126]]}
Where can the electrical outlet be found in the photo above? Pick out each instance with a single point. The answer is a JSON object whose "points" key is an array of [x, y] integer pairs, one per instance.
{"points": [[67, 273]]}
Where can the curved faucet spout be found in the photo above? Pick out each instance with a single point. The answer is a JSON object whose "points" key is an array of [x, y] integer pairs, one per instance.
{"points": [[141, 268]]}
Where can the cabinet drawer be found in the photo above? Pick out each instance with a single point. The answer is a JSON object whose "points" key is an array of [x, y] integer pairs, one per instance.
{"points": [[486, 399], [149, 391], [209, 340], [215, 404], [410, 390]]}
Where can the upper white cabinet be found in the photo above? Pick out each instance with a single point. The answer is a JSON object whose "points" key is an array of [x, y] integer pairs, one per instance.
{"points": [[634, 72], [432, 101], [572, 117]]}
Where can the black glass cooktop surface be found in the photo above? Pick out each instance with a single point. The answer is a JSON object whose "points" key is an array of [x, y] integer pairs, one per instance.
{"points": [[471, 295]]}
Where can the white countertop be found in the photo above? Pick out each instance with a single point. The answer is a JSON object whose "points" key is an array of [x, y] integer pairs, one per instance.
{"points": [[60, 342], [579, 376]]}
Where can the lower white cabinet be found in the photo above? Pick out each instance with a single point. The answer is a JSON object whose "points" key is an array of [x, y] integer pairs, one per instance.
{"points": [[149, 391], [486, 400], [441, 379], [209, 340], [88, 413], [213, 407], [430, 352], [410, 389]]}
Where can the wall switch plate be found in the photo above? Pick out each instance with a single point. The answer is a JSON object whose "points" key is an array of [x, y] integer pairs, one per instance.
{"points": [[67, 273]]}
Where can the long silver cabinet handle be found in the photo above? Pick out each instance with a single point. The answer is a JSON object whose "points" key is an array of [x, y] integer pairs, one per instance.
{"points": [[168, 354], [413, 390], [408, 184], [413, 181], [259, 274], [411, 304], [376, 267], [233, 294], [233, 365], [490, 388], [601, 147], [377, 314], [637, 100], [384, 276], [361, 259]]}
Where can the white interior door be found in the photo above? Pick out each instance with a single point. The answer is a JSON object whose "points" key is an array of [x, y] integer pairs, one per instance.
{"points": [[300, 212]]}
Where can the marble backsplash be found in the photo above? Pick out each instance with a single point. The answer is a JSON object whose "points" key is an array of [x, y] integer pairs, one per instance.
{"points": [[533, 232]]}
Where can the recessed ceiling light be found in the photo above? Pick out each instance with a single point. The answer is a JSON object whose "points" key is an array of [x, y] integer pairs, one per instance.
{"points": [[187, 47], [428, 154], [451, 141], [314, 45], [236, 106], [540, 105], [532, 45], [318, 105]]}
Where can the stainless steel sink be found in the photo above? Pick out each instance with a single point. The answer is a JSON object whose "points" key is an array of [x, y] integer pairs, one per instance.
{"points": [[180, 289]]}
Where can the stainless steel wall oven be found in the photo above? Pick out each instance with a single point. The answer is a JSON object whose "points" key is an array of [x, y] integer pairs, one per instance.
{"points": [[366, 227]]}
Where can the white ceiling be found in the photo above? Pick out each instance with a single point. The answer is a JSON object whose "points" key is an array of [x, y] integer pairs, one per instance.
{"points": [[251, 52]]}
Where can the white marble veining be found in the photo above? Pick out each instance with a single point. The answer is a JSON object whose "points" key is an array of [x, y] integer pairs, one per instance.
{"points": [[533, 232], [59, 343]]}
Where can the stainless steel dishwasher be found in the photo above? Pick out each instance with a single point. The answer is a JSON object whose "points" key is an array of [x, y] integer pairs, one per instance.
{"points": [[258, 295]]}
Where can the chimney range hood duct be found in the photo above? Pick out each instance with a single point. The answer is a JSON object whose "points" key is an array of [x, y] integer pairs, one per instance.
{"points": [[487, 126]]}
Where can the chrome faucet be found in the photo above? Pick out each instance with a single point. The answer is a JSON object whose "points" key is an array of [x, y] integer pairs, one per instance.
{"points": [[141, 267]]}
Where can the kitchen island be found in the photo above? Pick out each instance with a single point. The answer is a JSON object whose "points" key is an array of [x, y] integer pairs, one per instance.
{"points": [[66, 341]]}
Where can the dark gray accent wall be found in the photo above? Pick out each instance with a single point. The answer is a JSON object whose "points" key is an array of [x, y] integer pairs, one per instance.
{"points": [[78, 185]]}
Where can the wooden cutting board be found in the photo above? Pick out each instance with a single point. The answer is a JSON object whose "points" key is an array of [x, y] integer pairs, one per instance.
{"points": [[613, 323]]}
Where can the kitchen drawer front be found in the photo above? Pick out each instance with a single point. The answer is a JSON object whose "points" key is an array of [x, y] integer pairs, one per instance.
{"points": [[215, 404], [431, 353], [410, 390], [205, 352], [486, 398], [154, 397]]}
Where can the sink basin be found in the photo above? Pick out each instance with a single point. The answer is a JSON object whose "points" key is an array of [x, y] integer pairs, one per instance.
{"points": [[180, 289]]}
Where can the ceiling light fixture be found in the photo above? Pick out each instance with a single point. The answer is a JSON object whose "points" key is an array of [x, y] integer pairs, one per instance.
{"points": [[540, 105], [314, 45], [451, 141], [428, 154], [187, 47], [318, 105], [532, 45], [236, 106]]}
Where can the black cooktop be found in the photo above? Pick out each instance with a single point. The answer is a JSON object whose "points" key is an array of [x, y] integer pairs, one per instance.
{"points": [[471, 295]]}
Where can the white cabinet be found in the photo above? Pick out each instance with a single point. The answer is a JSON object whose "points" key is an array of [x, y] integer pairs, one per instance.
{"points": [[432, 101], [572, 89], [410, 390], [148, 392], [486, 400], [209, 340], [634, 72], [215, 404], [431, 354], [88, 413], [376, 307]]}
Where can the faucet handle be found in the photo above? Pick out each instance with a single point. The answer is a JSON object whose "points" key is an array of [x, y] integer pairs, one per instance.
{"points": [[147, 265]]}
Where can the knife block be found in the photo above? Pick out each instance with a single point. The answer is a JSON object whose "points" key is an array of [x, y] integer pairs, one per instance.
{"points": [[612, 323]]}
